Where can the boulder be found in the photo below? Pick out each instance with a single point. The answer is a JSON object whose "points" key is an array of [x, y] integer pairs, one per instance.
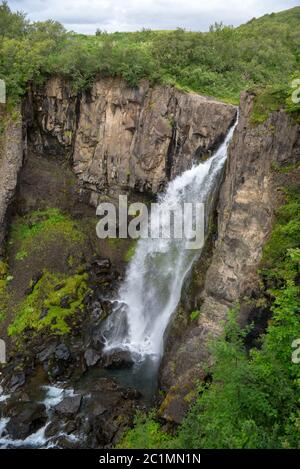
{"points": [[91, 357], [118, 359], [69, 405], [17, 381], [26, 418], [62, 352]]}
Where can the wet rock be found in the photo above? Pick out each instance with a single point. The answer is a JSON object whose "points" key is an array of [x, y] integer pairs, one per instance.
{"points": [[69, 406], [131, 394], [17, 381], [97, 340], [26, 418], [54, 368], [101, 266], [65, 302], [53, 428], [70, 427], [91, 357], [62, 352], [46, 353], [118, 359], [44, 313]]}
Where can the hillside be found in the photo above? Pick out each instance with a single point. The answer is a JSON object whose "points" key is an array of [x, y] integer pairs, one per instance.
{"points": [[221, 63]]}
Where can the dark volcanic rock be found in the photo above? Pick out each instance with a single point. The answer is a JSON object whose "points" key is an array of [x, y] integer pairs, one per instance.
{"points": [[101, 266], [69, 406], [44, 313], [118, 359], [26, 418], [17, 380], [46, 353], [91, 357], [65, 302], [62, 352]]}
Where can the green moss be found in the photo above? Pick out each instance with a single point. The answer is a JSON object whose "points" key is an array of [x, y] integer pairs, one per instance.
{"points": [[130, 252], [21, 255], [3, 269], [191, 396], [36, 229], [194, 316], [68, 133], [47, 296], [284, 169]]}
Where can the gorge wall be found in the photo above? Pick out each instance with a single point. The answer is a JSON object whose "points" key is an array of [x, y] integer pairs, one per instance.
{"points": [[11, 159], [120, 138], [249, 195]]}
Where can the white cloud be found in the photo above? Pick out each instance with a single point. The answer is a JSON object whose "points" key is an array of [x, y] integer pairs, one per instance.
{"points": [[130, 15]]}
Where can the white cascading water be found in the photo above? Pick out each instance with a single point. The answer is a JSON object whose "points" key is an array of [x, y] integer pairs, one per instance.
{"points": [[154, 279]]}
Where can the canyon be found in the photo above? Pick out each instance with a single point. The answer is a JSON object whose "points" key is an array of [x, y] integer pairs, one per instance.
{"points": [[72, 151]]}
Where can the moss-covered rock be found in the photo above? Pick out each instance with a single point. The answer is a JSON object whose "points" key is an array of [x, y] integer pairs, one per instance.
{"points": [[53, 299]]}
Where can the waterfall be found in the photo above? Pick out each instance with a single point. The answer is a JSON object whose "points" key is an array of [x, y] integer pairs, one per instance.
{"points": [[152, 288]]}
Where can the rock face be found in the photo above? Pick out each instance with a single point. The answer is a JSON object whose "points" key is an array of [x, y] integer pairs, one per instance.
{"points": [[249, 195], [11, 157], [120, 138]]}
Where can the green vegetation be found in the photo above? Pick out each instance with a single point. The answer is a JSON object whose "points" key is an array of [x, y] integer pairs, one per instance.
{"points": [[4, 280], [37, 229], [35, 239], [146, 434], [53, 300], [273, 98], [130, 252], [253, 400], [221, 62], [194, 316]]}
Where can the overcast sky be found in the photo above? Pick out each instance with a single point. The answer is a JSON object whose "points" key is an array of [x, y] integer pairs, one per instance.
{"points": [[86, 16]]}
